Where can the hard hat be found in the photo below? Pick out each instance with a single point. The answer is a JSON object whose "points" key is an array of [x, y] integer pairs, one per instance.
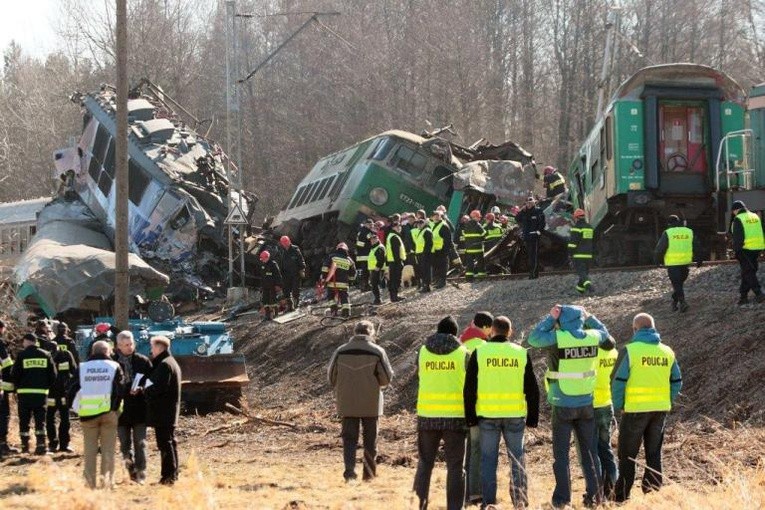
{"points": [[285, 241], [579, 213], [379, 224], [475, 214], [102, 327], [503, 219], [465, 218], [549, 169], [495, 210], [441, 208], [489, 217], [342, 246], [515, 209], [264, 256]]}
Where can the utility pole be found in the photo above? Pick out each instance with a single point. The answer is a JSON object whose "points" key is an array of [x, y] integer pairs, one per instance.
{"points": [[121, 275]]}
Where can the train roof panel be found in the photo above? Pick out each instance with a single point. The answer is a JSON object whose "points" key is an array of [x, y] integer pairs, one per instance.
{"points": [[680, 74], [22, 211]]}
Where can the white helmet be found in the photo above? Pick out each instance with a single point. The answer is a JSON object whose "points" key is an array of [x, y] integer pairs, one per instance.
{"points": [[495, 210]]}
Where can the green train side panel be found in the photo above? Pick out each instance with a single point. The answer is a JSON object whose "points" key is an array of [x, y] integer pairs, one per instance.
{"points": [[757, 124], [732, 119], [455, 206], [629, 146]]}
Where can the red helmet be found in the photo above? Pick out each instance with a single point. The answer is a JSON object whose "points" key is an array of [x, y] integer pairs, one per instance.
{"points": [[489, 217], [503, 219], [342, 246], [285, 241], [264, 256], [579, 213], [549, 169], [102, 327], [515, 210], [379, 224], [475, 214]]}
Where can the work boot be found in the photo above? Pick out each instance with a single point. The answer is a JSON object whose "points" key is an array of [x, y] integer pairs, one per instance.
{"points": [[53, 446], [346, 313], [41, 449], [743, 300], [425, 289], [25, 446], [140, 477], [683, 306], [66, 449], [7, 450], [377, 302], [269, 314]]}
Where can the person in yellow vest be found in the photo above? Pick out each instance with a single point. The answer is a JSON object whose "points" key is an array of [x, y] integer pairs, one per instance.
{"points": [[395, 252], [375, 266], [580, 249], [677, 249], [748, 242], [441, 365], [100, 387], [422, 236], [442, 247], [501, 396], [474, 336], [474, 234], [646, 382], [604, 417], [571, 336]]}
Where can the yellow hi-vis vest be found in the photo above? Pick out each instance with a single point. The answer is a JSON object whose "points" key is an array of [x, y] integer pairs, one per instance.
{"points": [[389, 248], [680, 247], [493, 232], [419, 240], [414, 232], [578, 358], [648, 384], [753, 238], [606, 363], [442, 378], [96, 379], [472, 344], [372, 260], [501, 367], [438, 241]]}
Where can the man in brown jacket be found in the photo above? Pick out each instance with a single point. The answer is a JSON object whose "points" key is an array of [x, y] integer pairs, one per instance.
{"points": [[358, 372]]}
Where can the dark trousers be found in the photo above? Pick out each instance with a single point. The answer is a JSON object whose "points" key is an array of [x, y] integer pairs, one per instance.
{"points": [[582, 268], [268, 295], [532, 250], [394, 275], [168, 452], [374, 282], [603, 418], [292, 288], [425, 270], [339, 298], [350, 435], [454, 451], [634, 429], [580, 421], [747, 259], [363, 275], [62, 438], [677, 275], [440, 265], [474, 264], [25, 419], [5, 416]]}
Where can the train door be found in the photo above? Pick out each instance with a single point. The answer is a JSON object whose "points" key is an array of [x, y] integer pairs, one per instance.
{"points": [[683, 151]]}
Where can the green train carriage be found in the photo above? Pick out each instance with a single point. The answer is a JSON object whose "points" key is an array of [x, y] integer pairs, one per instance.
{"points": [[654, 152]]}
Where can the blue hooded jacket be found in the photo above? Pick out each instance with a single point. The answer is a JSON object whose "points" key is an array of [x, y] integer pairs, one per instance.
{"points": [[619, 382], [543, 336]]}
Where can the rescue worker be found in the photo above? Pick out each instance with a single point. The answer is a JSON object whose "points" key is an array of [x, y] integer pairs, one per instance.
{"points": [[342, 271], [474, 336], [474, 235], [293, 271], [580, 249], [270, 282], [423, 251], [502, 397], [493, 232], [375, 266], [6, 389], [646, 382], [363, 245], [58, 400], [532, 219], [64, 341], [571, 337], [358, 372], [748, 242], [102, 331], [441, 364], [34, 373], [407, 224], [677, 249], [504, 223], [604, 417], [442, 247], [460, 235], [554, 182], [100, 386], [44, 336], [395, 256]]}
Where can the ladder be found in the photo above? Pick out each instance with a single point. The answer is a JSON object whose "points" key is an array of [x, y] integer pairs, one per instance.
{"points": [[735, 163]]}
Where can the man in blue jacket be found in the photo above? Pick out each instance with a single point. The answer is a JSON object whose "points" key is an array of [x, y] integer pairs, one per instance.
{"points": [[572, 337], [646, 383]]}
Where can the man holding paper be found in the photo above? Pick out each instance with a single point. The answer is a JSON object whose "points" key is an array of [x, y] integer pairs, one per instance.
{"points": [[131, 428]]}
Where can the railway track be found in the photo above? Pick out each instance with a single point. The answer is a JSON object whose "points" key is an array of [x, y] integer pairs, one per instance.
{"points": [[593, 270]]}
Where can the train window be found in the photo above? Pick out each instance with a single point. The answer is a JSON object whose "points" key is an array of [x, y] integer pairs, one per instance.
{"points": [[105, 183], [94, 169], [410, 161], [101, 143], [315, 192], [602, 159], [609, 138], [23, 239], [181, 218], [139, 181], [308, 191], [32, 230], [324, 187], [440, 182], [339, 183], [382, 148], [109, 159], [298, 196]]}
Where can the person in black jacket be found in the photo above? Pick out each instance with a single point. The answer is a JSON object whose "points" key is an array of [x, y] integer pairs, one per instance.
{"points": [[363, 245], [44, 336], [747, 237], [65, 342], [375, 265], [423, 249], [580, 249], [58, 401], [270, 284], [33, 375], [396, 254], [6, 388], [532, 219], [131, 428], [442, 248], [293, 271], [163, 399]]}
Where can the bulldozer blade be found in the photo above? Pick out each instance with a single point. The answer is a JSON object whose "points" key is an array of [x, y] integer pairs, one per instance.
{"points": [[211, 372]]}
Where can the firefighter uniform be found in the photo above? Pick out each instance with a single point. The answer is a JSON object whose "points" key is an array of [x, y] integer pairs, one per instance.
{"points": [[375, 265], [396, 256], [423, 251], [57, 402], [580, 247], [494, 233], [270, 278], [293, 270], [474, 236], [748, 242], [363, 246], [342, 272], [34, 373], [6, 384], [554, 184]]}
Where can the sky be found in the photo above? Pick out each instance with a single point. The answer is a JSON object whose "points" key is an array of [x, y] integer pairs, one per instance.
{"points": [[30, 24]]}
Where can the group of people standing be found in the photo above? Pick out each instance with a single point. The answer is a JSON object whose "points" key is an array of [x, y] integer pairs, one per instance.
{"points": [[479, 387], [115, 393]]}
